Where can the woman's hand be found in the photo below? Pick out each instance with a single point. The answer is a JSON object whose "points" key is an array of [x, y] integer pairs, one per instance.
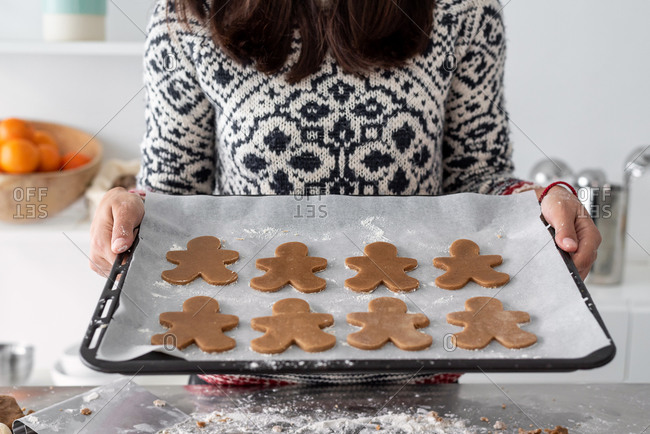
{"points": [[111, 232], [575, 232]]}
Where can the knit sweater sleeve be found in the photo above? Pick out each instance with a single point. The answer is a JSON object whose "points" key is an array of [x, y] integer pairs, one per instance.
{"points": [[477, 154], [178, 151]]}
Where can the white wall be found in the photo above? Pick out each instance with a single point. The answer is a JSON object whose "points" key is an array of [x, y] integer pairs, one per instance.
{"points": [[577, 79], [85, 92], [21, 19]]}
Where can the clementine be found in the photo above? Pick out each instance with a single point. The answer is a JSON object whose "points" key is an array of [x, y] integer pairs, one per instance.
{"points": [[19, 156], [50, 159], [13, 128], [44, 137], [72, 160]]}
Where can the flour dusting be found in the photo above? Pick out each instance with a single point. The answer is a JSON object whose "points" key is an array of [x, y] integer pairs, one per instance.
{"points": [[276, 420], [264, 233], [377, 232]]}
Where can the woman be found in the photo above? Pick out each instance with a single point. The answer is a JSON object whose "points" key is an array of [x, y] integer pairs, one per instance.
{"points": [[346, 96]]}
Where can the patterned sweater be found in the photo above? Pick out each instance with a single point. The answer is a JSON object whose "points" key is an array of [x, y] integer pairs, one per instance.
{"points": [[434, 126]]}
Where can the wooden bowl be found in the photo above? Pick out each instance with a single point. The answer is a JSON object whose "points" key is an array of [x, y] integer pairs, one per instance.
{"points": [[32, 197]]}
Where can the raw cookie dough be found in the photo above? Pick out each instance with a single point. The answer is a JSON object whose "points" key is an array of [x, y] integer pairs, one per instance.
{"points": [[292, 266], [293, 323], [484, 319], [200, 323], [381, 265], [466, 264], [387, 320], [9, 410], [203, 257], [557, 430]]}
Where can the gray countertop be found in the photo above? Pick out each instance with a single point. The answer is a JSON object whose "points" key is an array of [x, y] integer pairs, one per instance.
{"points": [[597, 408]]}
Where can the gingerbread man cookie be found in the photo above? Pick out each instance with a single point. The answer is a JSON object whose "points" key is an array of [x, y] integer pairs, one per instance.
{"points": [[200, 323], [387, 320], [466, 264], [381, 265], [292, 266], [292, 323], [9, 410], [203, 257], [484, 319]]}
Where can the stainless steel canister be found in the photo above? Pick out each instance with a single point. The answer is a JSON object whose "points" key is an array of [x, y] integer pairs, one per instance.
{"points": [[608, 208]]}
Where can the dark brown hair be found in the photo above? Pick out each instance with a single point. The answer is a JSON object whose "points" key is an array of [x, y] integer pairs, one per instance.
{"points": [[360, 34]]}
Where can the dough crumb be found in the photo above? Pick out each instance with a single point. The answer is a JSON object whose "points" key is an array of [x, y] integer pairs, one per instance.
{"points": [[557, 430], [239, 239], [277, 428], [200, 424], [503, 406], [159, 403], [86, 411], [434, 414], [484, 419], [499, 425]]}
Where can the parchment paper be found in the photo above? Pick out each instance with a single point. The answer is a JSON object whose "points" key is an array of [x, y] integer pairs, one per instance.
{"points": [[337, 227]]}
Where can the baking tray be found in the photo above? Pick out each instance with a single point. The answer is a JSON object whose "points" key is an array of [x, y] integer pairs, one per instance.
{"points": [[160, 363]]}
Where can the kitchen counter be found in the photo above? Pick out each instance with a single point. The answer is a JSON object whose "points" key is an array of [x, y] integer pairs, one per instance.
{"points": [[596, 408]]}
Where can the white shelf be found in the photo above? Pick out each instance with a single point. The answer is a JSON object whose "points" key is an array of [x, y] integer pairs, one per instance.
{"points": [[77, 48]]}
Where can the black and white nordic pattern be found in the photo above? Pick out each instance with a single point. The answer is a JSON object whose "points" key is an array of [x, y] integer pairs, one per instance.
{"points": [[217, 127]]}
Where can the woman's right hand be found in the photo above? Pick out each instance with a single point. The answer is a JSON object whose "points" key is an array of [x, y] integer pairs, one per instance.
{"points": [[112, 229]]}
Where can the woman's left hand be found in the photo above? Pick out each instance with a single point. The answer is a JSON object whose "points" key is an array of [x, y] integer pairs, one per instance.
{"points": [[575, 232]]}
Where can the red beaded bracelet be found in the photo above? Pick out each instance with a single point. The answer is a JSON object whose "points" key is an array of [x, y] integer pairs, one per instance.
{"points": [[566, 184], [141, 193]]}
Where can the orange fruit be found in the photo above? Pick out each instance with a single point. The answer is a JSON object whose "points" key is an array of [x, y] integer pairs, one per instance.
{"points": [[71, 161], [44, 137], [13, 128], [19, 156], [50, 159]]}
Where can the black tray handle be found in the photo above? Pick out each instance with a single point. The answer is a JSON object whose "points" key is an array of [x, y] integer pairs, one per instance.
{"points": [[102, 317]]}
